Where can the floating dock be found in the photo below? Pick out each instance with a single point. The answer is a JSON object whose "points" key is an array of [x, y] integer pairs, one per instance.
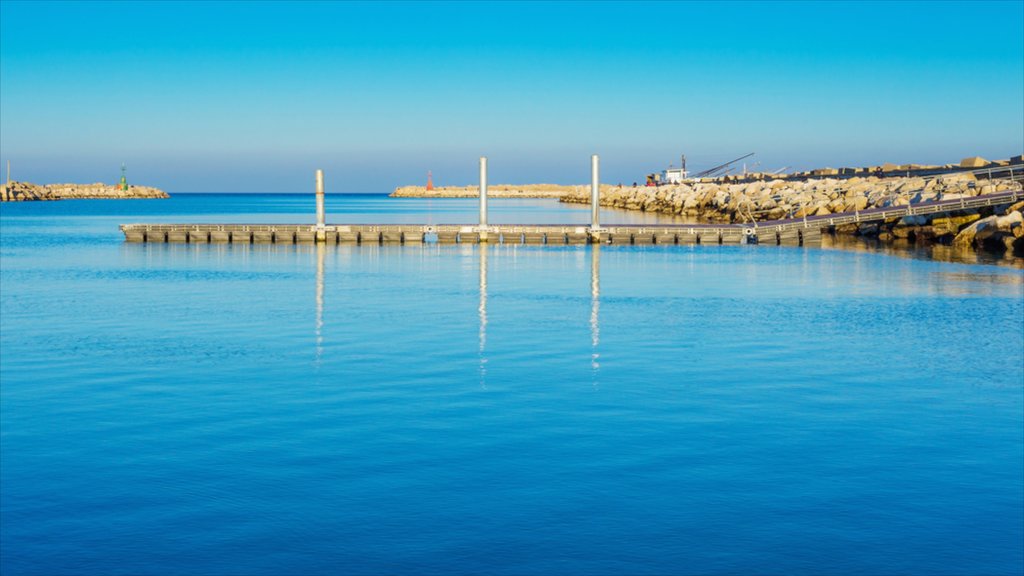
{"points": [[790, 232], [462, 234]]}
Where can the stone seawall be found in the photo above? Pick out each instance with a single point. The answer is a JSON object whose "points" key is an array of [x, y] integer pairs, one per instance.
{"points": [[1000, 228], [26, 191]]}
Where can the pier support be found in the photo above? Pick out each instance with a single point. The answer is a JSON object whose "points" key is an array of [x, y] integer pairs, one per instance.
{"points": [[321, 235], [595, 191], [595, 199], [643, 238], [767, 238], [483, 199], [346, 235], [810, 237], [732, 236], [577, 237]]}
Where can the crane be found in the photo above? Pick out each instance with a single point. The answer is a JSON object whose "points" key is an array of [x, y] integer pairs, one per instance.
{"points": [[718, 170]]}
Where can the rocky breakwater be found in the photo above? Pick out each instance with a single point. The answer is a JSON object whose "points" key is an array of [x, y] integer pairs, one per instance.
{"points": [[25, 191], [999, 232], [493, 191], [779, 199]]}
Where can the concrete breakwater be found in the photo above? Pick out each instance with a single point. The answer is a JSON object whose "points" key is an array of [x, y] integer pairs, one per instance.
{"points": [[25, 191], [779, 199]]}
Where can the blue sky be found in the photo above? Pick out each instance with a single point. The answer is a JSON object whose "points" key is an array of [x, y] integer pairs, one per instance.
{"points": [[255, 96]]}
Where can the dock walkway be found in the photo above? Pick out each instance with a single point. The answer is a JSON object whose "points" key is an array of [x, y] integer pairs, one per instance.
{"points": [[794, 231]]}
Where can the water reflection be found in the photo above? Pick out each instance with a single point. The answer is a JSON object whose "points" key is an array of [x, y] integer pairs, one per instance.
{"points": [[482, 309], [320, 249], [595, 308], [905, 249]]}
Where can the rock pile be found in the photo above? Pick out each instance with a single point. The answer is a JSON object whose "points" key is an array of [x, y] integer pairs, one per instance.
{"points": [[1000, 232], [25, 191], [776, 199], [997, 229]]}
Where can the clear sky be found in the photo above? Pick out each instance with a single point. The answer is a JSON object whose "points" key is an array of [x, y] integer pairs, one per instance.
{"points": [[254, 96]]}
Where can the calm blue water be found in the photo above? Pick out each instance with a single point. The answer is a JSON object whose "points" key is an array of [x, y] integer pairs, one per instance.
{"points": [[181, 409]]}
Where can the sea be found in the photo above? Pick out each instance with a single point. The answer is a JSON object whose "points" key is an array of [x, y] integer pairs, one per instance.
{"points": [[455, 409]]}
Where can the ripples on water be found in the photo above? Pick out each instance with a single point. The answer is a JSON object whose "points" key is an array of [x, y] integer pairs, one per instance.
{"points": [[448, 409]]}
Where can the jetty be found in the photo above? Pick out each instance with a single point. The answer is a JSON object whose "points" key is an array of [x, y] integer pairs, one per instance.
{"points": [[803, 231]]}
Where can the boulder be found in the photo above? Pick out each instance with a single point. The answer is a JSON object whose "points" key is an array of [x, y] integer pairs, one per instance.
{"points": [[902, 231], [953, 178], [994, 240], [974, 162], [869, 229], [1018, 246], [913, 220], [855, 203], [953, 224], [970, 235], [1008, 222]]}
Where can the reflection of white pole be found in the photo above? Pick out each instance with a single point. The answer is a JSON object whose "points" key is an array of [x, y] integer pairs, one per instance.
{"points": [[483, 313], [595, 306], [483, 191], [595, 191], [319, 300], [320, 198]]}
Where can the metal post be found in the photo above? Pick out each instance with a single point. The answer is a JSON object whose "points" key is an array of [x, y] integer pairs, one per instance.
{"points": [[483, 191], [320, 198], [595, 191]]}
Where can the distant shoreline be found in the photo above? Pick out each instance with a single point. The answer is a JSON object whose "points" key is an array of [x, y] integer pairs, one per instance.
{"points": [[27, 192], [556, 191]]}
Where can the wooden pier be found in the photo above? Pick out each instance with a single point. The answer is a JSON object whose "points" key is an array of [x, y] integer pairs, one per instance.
{"points": [[792, 232]]}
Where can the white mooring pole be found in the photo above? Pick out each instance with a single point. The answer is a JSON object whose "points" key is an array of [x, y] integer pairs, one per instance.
{"points": [[595, 191], [483, 191], [320, 198]]}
